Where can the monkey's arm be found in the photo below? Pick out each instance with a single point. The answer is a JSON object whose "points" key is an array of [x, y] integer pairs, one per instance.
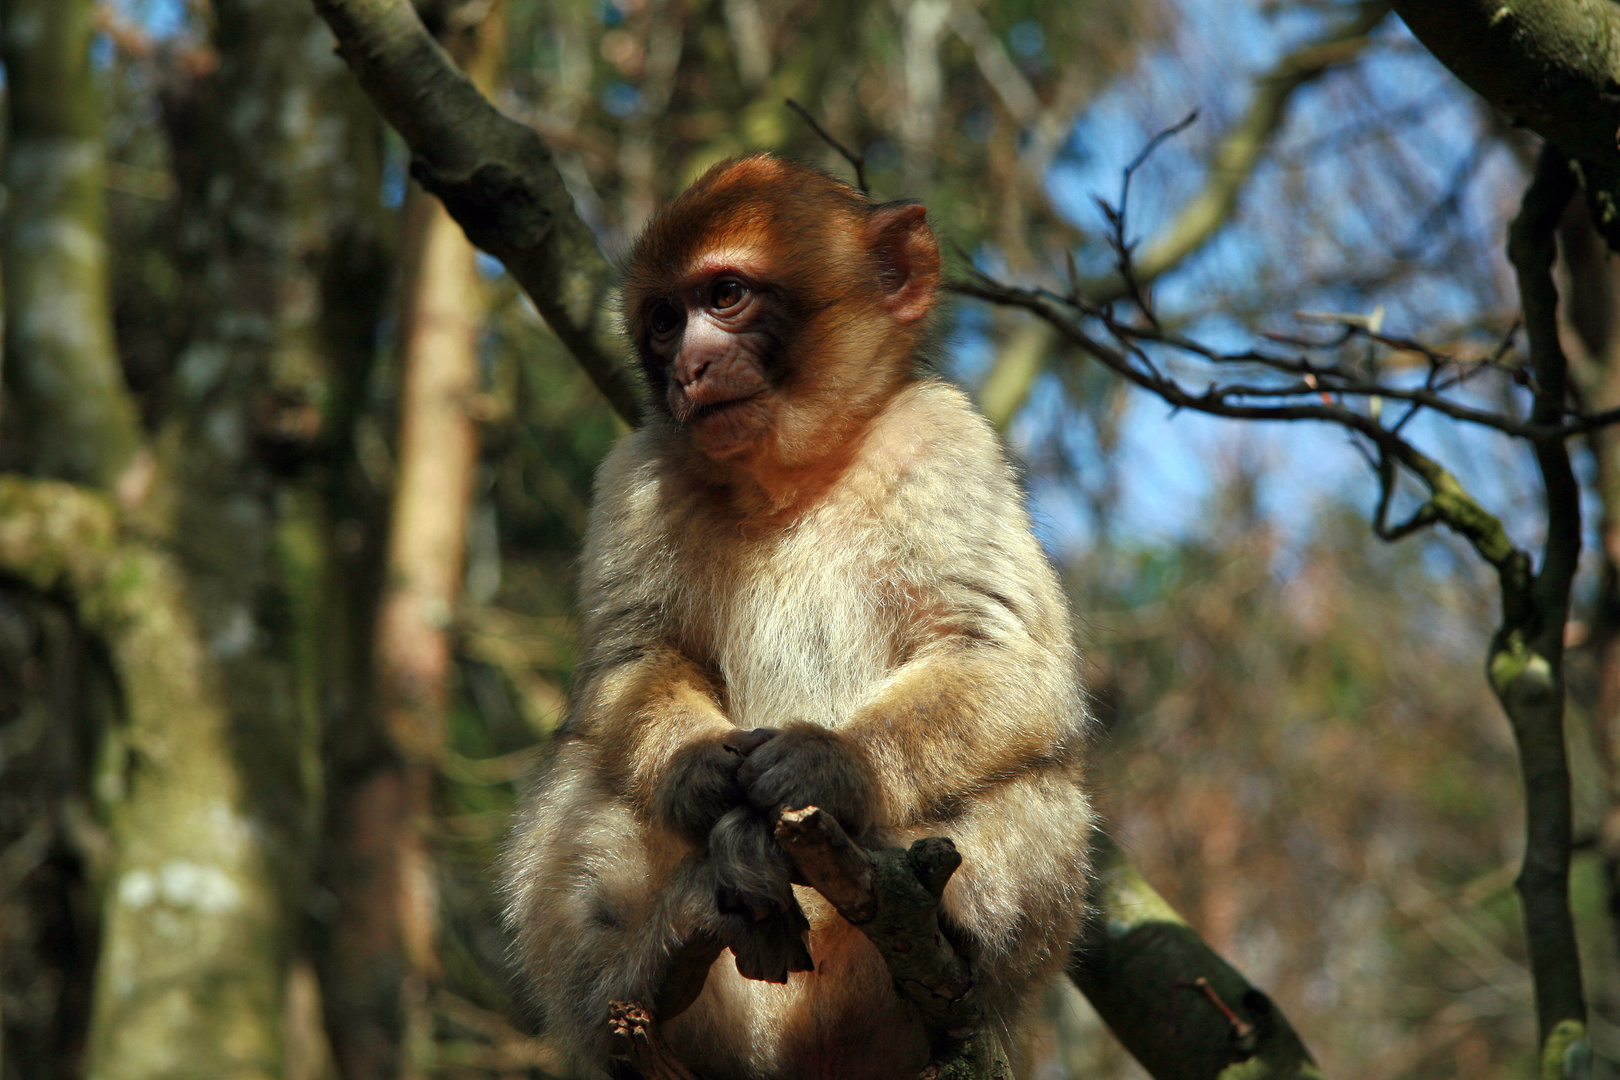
{"points": [[661, 742], [964, 715], [653, 719], [988, 692], [988, 688]]}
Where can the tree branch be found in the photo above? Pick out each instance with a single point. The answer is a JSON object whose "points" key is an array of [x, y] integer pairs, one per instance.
{"points": [[893, 896], [495, 176], [1552, 65], [1526, 663], [1182, 1011]]}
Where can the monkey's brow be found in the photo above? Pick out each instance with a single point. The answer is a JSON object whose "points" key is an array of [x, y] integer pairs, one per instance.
{"points": [[747, 260]]}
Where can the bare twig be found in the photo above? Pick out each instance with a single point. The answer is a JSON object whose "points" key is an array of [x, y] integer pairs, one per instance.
{"points": [[1146, 152], [893, 896], [829, 861], [856, 161], [1116, 216], [1315, 379]]}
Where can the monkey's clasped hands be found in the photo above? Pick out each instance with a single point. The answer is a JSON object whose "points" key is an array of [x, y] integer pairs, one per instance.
{"points": [[726, 794]]}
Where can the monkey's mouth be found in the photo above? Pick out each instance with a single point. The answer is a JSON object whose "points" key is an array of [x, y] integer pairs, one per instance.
{"points": [[695, 414]]}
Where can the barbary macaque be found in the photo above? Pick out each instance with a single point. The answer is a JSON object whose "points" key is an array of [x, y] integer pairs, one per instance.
{"points": [[809, 580]]}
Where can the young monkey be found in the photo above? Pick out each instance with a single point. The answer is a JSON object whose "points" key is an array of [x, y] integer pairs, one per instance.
{"points": [[809, 579]]}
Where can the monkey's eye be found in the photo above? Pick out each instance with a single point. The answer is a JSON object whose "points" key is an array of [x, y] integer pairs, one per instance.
{"points": [[727, 294], [663, 319]]}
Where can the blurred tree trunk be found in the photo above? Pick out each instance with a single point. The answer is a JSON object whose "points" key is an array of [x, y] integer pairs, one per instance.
{"points": [[384, 960], [214, 832], [73, 415], [1592, 311], [187, 883], [68, 415]]}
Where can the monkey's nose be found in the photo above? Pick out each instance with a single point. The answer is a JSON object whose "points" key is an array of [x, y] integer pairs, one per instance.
{"points": [[688, 372]]}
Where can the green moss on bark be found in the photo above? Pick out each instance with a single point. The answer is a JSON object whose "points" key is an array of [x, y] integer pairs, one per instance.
{"points": [[61, 367]]}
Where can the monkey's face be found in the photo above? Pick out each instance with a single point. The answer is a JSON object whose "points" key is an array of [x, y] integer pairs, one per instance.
{"points": [[776, 309], [713, 346]]}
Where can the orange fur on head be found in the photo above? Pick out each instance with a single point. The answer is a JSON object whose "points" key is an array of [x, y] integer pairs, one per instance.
{"points": [[851, 284]]}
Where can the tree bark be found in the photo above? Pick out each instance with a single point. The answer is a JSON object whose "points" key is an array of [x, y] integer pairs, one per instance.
{"points": [[1552, 65], [73, 413], [1526, 664], [1182, 1011], [385, 878]]}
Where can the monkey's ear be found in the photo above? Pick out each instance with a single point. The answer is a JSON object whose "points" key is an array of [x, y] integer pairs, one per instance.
{"points": [[898, 234]]}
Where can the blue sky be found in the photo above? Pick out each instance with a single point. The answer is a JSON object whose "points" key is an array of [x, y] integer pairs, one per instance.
{"points": [[1170, 464]]}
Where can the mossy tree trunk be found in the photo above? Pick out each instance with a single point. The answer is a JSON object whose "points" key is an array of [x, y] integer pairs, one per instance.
{"points": [[214, 832], [70, 412]]}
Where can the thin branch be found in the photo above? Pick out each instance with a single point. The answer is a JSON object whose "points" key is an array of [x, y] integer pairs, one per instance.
{"points": [[1315, 379], [1146, 152], [856, 161], [1124, 263], [1453, 505], [1527, 653], [1426, 515]]}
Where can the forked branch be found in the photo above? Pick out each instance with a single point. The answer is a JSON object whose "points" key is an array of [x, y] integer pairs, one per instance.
{"points": [[893, 896]]}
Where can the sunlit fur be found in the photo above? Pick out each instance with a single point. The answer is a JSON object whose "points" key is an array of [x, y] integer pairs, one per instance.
{"points": [[900, 600]]}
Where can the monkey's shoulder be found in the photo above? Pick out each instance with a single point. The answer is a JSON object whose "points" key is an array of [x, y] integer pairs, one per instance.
{"points": [[941, 476], [932, 431]]}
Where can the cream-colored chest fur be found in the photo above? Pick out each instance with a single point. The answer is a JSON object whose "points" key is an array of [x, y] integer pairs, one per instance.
{"points": [[805, 628], [806, 620]]}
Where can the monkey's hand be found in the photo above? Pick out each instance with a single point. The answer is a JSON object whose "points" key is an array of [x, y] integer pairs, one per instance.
{"points": [[810, 766], [701, 783]]}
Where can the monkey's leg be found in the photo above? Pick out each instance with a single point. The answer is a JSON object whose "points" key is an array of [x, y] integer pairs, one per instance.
{"points": [[768, 933], [599, 917]]}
